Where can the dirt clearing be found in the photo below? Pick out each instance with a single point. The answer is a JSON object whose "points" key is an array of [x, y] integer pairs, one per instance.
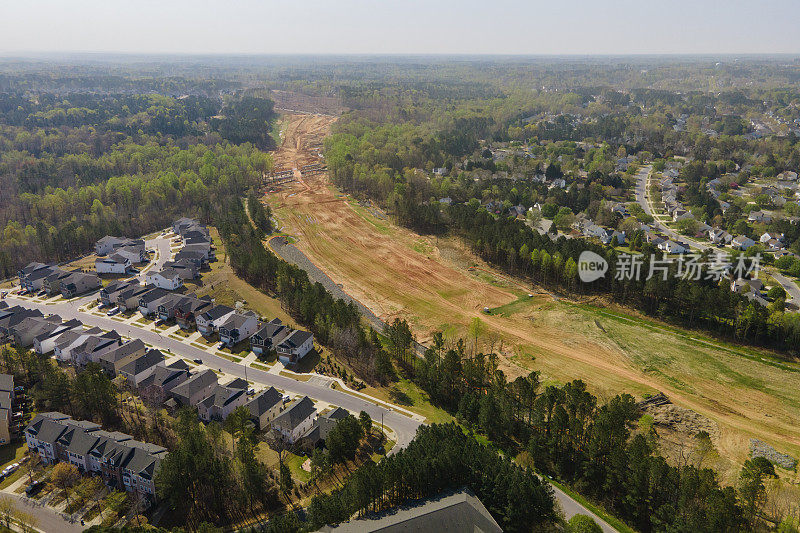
{"points": [[437, 284]]}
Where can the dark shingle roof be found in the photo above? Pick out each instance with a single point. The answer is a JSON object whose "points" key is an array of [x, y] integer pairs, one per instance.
{"points": [[298, 411]]}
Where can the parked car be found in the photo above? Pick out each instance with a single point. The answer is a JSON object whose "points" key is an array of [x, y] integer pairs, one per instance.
{"points": [[198, 361], [222, 346], [10, 469], [251, 391], [34, 488], [113, 311]]}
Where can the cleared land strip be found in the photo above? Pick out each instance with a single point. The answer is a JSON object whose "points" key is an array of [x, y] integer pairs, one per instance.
{"points": [[291, 254]]}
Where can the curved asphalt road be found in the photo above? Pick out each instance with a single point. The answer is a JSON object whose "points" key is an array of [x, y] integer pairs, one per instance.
{"points": [[404, 426], [791, 288]]}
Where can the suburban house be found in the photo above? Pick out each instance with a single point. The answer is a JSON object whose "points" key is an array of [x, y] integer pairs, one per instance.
{"points": [[185, 225], [295, 420], [32, 277], [52, 283], [49, 332], [113, 360], [10, 316], [167, 278], [264, 407], [112, 264], [122, 462], [295, 346], [767, 237], [128, 298], [6, 407], [198, 387], [759, 216], [110, 290], [742, 285], [672, 247], [78, 283], [209, 321], [150, 300], [135, 251], [204, 248], [25, 332], [742, 243], [719, 236], [196, 257], [80, 346], [186, 269], [164, 378], [221, 402], [189, 307], [141, 367], [167, 304], [108, 244], [319, 430], [238, 327], [267, 336], [444, 513]]}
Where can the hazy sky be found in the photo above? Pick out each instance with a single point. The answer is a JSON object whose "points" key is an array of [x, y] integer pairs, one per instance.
{"points": [[401, 26]]}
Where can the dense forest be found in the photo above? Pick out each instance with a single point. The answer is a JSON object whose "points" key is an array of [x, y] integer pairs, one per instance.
{"points": [[76, 168]]}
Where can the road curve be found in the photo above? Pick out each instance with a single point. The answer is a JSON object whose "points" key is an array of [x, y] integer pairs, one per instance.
{"points": [[404, 427]]}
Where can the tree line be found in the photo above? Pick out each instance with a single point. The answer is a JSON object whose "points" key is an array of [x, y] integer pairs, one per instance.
{"points": [[566, 433]]}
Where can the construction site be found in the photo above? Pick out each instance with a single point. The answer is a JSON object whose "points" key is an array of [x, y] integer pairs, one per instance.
{"points": [[437, 284]]}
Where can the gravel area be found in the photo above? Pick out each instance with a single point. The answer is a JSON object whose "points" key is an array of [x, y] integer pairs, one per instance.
{"points": [[762, 449]]}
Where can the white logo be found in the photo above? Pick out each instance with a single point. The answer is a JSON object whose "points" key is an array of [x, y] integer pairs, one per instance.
{"points": [[591, 266]]}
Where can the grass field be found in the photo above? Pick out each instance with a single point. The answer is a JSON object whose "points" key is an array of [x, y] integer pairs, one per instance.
{"points": [[438, 285]]}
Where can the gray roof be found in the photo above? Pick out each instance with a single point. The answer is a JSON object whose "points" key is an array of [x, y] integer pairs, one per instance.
{"points": [[222, 396], [152, 295], [264, 401], [195, 383], [296, 338], [457, 513], [298, 411], [217, 312], [163, 375], [6, 382], [140, 364], [121, 352]]}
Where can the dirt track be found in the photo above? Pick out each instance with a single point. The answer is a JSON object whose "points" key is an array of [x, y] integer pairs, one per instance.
{"points": [[396, 272]]}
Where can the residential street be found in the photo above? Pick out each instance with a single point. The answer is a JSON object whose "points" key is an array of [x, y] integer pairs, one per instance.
{"points": [[642, 197], [49, 520], [791, 288], [404, 426]]}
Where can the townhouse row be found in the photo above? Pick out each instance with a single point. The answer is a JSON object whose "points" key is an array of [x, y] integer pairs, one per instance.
{"points": [[123, 462]]}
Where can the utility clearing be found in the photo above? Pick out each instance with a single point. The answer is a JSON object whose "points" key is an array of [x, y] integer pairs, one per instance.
{"points": [[438, 285]]}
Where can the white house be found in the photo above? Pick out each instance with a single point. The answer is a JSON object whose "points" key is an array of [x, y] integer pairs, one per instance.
{"points": [[295, 346], [168, 279], [238, 327], [741, 242], [672, 247], [209, 322], [112, 264], [296, 420]]}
